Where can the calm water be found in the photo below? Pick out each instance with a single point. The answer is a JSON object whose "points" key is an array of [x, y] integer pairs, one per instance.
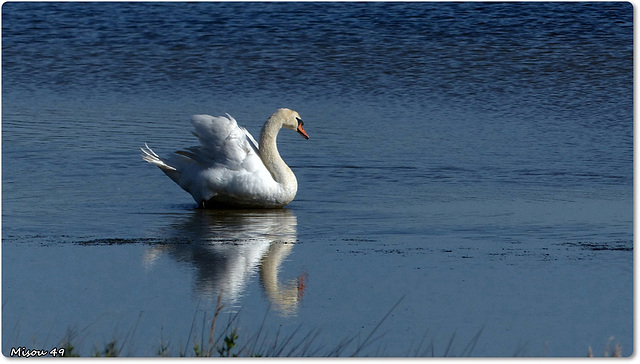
{"points": [[474, 160]]}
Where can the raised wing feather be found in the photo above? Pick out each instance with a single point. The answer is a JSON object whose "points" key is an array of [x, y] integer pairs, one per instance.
{"points": [[222, 142]]}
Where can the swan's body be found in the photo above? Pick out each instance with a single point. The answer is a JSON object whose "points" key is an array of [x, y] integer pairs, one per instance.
{"points": [[229, 168]]}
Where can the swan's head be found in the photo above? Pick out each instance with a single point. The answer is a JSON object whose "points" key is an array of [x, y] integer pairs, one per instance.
{"points": [[291, 120]]}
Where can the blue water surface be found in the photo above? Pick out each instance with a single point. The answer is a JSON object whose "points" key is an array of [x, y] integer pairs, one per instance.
{"points": [[471, 161]]}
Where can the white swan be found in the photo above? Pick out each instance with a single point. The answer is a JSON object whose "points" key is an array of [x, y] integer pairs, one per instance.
{"points": [[229, 169]]}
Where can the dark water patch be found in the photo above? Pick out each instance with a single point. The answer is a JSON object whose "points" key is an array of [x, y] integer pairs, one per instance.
{"points": [[125, 241], [162, 241], [394, 50], [619, 245], [509, 252]]}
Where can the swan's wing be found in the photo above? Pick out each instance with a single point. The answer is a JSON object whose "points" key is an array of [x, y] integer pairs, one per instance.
{"points": [[226, 161], [213, 130], [252, 142], [222, 142]]}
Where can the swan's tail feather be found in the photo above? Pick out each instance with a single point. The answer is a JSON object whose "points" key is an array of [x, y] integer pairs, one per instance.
{"points": [[150, 156]]}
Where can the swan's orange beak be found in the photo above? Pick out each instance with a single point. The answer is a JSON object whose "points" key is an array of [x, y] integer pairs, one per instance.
{"points": [[301, 130]]}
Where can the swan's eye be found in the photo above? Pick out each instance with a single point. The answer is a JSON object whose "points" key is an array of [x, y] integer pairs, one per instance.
{"points": [[299, 121]]}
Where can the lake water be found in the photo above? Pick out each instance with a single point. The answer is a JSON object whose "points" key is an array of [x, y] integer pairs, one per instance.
{"points": [[470, 162]]}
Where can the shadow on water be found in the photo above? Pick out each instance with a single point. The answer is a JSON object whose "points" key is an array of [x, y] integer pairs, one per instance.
{"points": [[227, 247]]}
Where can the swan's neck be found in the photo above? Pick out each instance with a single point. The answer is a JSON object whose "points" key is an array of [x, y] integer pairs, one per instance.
{"points": [[280, 172]]}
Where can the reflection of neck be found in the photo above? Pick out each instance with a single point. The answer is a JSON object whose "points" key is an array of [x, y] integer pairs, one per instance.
{"points": [[284, 296]]}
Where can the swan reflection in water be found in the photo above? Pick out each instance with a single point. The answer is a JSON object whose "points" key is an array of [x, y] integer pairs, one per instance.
{"points": [[227, 247]]}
